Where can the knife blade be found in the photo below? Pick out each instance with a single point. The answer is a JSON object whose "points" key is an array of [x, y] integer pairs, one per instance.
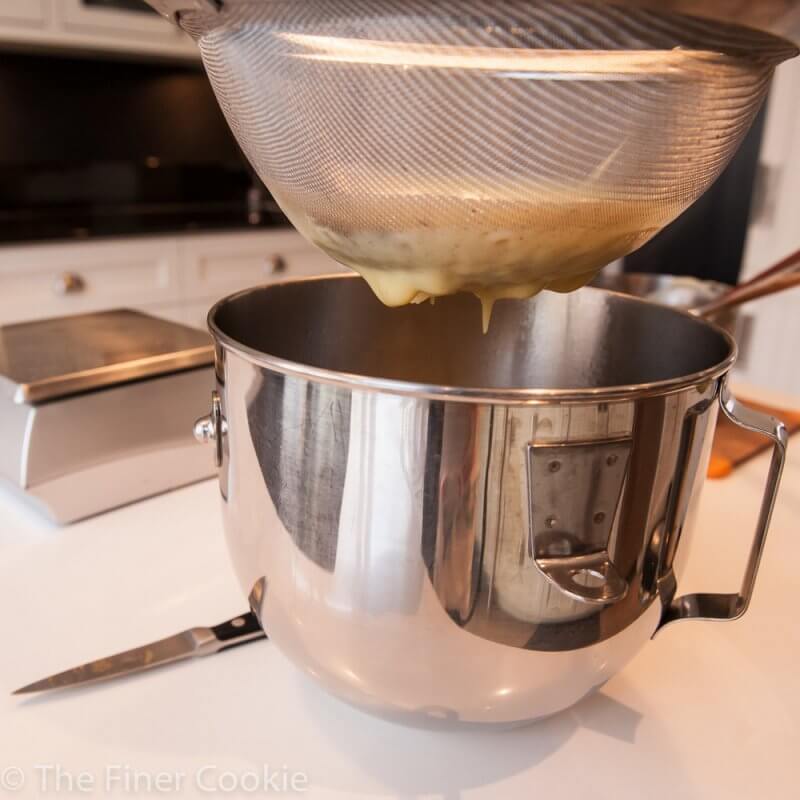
{"points": [[190, 643]]}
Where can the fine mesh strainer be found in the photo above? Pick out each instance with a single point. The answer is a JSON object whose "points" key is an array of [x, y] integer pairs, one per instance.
{"points": [[495, 146]]}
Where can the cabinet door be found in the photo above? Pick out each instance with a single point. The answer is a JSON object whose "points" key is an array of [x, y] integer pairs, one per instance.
{"points": [[28, 13], [103, 17], [312, 261], [192, 314], [195, 315], [213, 266], [70, 278], [99, 25]]}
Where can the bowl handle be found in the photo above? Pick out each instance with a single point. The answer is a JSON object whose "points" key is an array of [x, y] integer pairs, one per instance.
{"points": [[213, 428], [733, 606]]}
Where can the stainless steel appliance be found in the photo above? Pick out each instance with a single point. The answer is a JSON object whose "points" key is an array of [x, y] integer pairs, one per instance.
{"points": [[713, 301], [678, 291], [93, 409], [444, 526], [438, 525]]}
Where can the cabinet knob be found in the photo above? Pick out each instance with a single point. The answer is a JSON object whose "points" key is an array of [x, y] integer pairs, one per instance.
{"points": [[69, 283], [277, 265]]}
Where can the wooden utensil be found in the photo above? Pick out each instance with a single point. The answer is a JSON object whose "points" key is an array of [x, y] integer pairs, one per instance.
{"points": [[778, 278]]}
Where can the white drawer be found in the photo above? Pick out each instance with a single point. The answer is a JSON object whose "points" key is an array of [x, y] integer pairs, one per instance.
{"points": [[54, 280], [212, 266], [30, 13], [76, 15]]}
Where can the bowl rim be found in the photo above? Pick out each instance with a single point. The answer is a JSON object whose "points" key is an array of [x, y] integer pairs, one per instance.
{"points": [[461, 394]]}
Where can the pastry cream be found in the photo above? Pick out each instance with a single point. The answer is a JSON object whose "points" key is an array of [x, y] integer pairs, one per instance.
{"points": [[495, 251]]}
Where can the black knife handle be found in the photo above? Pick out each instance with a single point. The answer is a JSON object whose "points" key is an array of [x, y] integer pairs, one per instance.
{"points": [[239, 630]]}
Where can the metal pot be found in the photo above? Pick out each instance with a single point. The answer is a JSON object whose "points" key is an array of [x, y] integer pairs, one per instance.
{"points": [[676, 291], [439, 525]]}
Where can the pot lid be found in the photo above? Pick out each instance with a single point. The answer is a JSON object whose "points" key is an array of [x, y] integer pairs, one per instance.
{"points": [[52, 358]]}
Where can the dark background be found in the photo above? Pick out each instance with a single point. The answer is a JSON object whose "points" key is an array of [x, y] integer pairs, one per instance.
{"points": [[708, 240], [99, 148]]}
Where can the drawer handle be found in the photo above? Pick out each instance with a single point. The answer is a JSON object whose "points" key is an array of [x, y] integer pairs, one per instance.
{"points": [[277, 265], [69, 283]]}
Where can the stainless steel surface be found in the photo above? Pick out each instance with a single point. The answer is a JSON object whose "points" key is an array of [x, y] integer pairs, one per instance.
{"points": [[575, 490], [402, 164], [676, 291], [377, 488], [717, 302], [48, 359], [733, 606], [188, 644], [86, 453], [212, 428], [458, 361], [94, 409]]}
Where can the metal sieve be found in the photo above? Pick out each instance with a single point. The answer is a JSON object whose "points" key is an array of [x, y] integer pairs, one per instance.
{"points": [[495, 146]]}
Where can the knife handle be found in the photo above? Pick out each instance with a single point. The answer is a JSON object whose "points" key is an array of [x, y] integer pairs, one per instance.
{"points": [[238, 630]]}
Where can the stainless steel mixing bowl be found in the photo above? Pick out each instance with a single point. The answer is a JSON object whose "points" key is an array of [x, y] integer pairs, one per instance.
{"points": [[443, 526], [676, 291]]}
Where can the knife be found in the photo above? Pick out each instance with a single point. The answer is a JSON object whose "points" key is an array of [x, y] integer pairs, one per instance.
{"points": [[188, 644]]}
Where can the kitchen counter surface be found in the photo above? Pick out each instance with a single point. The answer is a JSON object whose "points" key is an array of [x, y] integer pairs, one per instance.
{"points": [[706, 710]]}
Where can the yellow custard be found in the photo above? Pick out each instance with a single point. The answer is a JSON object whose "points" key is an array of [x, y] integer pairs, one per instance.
{"points": [[496, 252]]}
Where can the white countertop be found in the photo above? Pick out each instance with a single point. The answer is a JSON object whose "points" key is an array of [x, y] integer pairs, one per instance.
{"points": [[707, 710]]}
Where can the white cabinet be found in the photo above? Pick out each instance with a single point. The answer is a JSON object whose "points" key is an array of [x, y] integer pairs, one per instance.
{"points": [[196, 314], [212, 265], [85, 26], [216, 265], [57, 279], [175, 277], [77, 15], [25, 13], [120, 28]]}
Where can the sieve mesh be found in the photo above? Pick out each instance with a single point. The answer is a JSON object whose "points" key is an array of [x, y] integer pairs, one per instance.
{"points": [[497, 146]]}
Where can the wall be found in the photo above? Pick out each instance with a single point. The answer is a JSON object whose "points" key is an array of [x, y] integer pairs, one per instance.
{"points": [[771, 345]]}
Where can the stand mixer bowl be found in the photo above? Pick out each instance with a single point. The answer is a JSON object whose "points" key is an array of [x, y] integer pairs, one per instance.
{"points": [[678, 291], [496, 146], [443, 527]]}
